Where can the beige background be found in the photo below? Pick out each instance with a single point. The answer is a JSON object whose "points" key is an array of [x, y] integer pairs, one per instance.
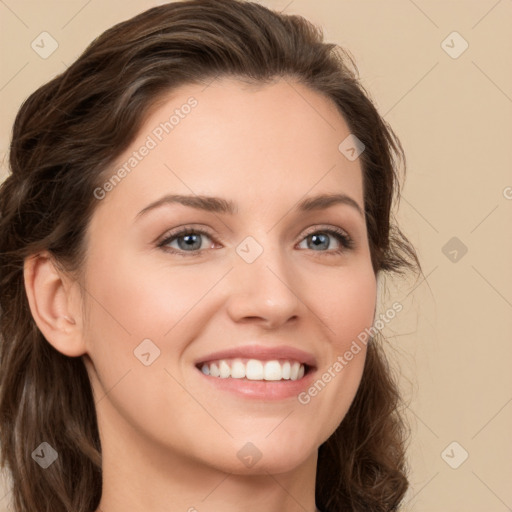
{"points": [[454, 118]]}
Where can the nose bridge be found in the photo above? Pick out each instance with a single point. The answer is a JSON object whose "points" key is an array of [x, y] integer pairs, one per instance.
{"points": [[261, 282]]}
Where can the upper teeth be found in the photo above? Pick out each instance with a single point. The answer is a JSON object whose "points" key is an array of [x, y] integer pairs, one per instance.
{"points": [[253, 369]]}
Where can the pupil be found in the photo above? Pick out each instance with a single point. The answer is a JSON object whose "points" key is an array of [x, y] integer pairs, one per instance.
{"points": [[316, 238], [190, 240]]}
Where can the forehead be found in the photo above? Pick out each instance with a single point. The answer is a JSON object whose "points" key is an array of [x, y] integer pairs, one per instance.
{"points": [[246, 142]]}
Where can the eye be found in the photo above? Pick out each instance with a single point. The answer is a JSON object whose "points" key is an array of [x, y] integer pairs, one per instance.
{"points": [[192, 241], [187, 240], [320, 241]]}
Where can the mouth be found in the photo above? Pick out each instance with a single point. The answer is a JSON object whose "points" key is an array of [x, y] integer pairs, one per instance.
{"points": [[255, 369]]}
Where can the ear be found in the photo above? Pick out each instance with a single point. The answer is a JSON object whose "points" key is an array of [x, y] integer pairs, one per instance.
{"points": [[55, 303]]}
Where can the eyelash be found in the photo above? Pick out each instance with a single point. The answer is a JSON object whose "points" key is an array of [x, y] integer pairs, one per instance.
{"points": [[346, 242]]}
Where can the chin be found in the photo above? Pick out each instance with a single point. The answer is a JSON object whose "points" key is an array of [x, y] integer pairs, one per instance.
{"points": [[260, 456]]}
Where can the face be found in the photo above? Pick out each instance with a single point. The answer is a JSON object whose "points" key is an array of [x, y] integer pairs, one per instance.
{"points": [[262, 281]]}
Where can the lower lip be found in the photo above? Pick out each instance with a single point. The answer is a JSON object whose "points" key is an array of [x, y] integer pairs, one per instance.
{"points": [[262, 389]]}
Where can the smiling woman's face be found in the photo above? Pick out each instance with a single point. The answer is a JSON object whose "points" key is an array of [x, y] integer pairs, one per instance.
{"points": [[270, 274]]}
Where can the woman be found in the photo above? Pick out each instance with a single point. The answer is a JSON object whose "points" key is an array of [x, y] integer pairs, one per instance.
{"points": [[198, 212]]}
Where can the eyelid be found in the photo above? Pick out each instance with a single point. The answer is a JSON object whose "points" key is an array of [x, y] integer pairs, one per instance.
{"points": [[347, 242], [186, 228], [172, 234], [325, 227]]}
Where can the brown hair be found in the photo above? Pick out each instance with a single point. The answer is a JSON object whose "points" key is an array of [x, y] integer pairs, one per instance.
{"points": [[65, 137]]}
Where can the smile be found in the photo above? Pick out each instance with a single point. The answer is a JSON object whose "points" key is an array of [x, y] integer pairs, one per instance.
{"points": [[254, 369]]}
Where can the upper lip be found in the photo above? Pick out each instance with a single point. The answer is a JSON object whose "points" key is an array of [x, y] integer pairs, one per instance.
{"points": [[263, 353]]}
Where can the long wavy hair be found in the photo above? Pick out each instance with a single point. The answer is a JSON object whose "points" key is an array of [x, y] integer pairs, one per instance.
{"points": [[66, 136]]}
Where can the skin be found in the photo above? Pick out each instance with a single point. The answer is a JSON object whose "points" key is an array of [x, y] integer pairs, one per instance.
{"points": [[170, 440]]}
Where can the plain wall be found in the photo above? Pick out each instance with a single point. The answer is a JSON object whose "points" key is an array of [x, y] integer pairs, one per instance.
{"points": [[452, 342]]}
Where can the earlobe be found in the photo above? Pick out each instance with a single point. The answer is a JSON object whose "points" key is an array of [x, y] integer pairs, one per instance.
{"points": [[54, 304]]}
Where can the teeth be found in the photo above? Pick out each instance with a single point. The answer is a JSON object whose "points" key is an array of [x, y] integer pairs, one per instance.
{"points": [[254, 369], [272, 370], [294, 372], [225, 370], [238, 370], [286, 370], [214, 370]]}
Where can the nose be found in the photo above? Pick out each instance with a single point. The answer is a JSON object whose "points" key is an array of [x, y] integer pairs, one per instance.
{"points": [[263, 291]]}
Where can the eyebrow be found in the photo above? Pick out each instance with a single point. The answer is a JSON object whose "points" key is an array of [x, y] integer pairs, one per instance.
{"points": [[219, 205]]}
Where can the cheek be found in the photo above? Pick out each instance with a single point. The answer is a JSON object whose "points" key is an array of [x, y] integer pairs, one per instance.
{"points": [[346, 304], [130, 303], [346, 309], [146, 301]]}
